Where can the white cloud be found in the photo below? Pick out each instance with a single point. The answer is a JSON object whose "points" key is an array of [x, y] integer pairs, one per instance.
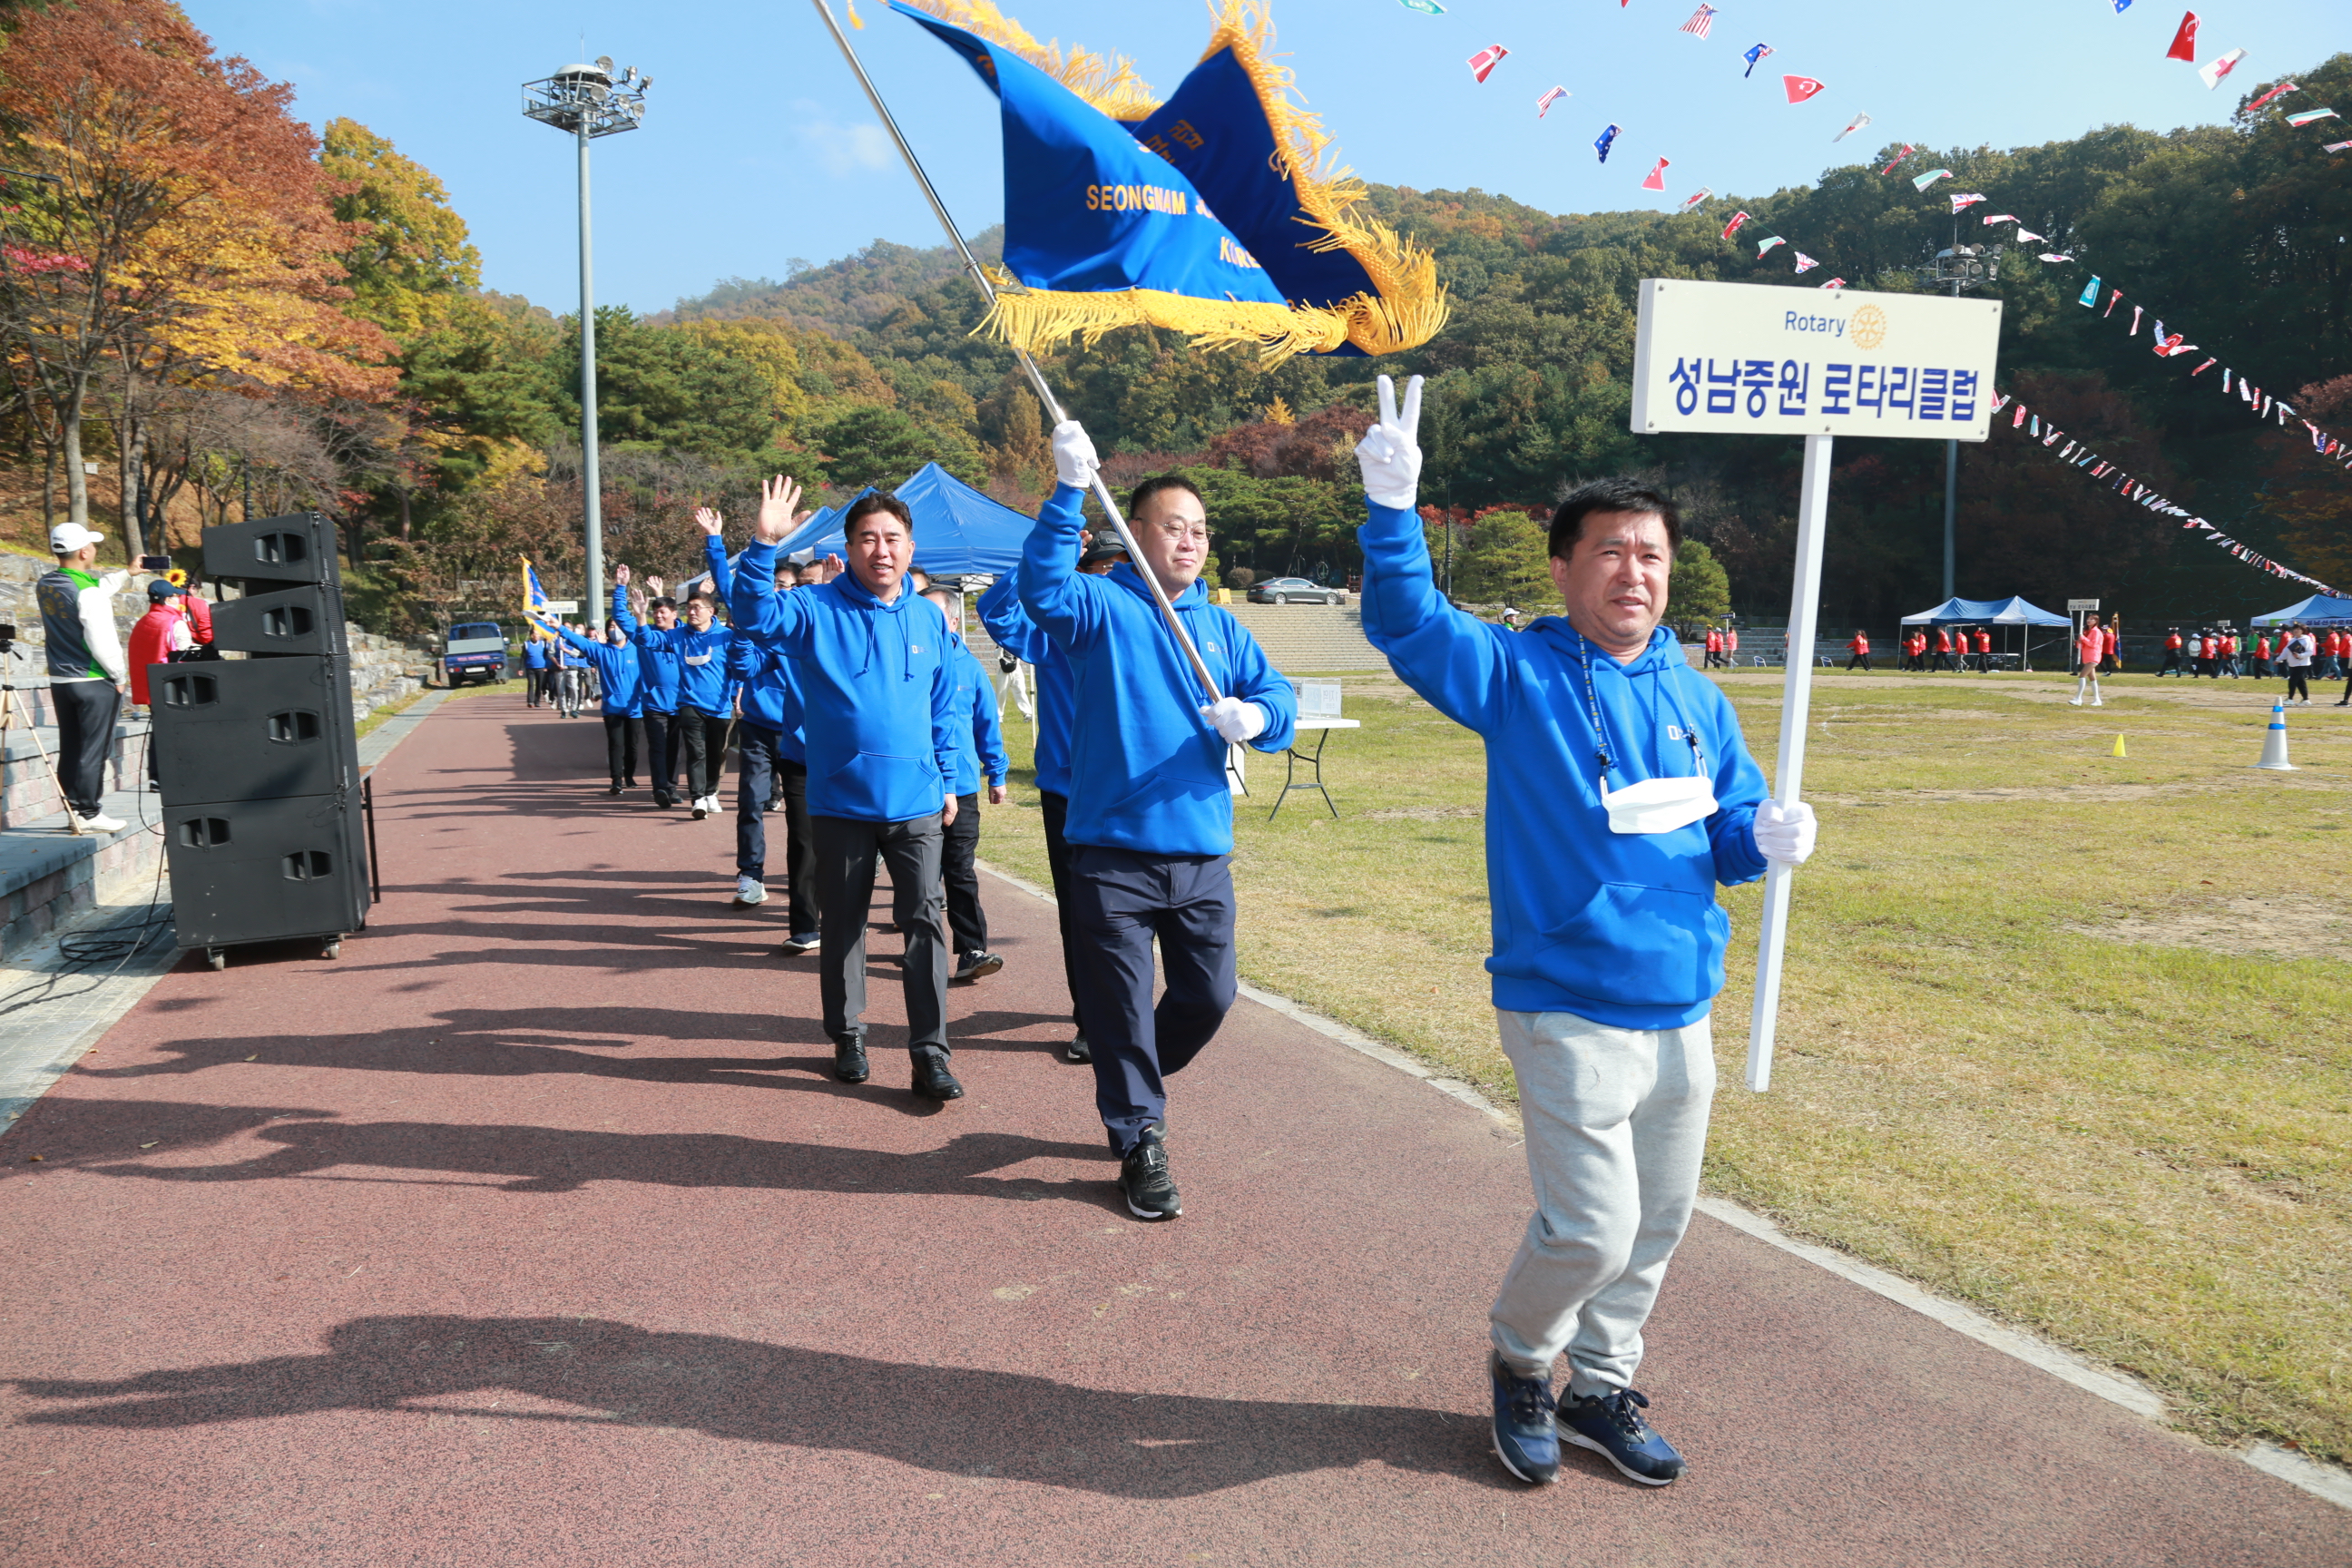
{"points": [[847, 148]]}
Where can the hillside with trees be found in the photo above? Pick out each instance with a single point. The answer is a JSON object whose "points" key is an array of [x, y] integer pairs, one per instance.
{"points": [[205, 298]]}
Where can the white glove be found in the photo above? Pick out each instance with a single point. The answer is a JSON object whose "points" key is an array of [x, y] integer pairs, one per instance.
{"points": [[1784, 834], [1236, 721], [1390, 450], [1074, 455]]}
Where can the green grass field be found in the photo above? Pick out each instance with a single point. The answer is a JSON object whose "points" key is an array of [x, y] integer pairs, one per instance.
{"points": [[2064, 1035]]}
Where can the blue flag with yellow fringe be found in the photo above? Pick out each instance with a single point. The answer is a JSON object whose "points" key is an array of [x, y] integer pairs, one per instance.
{"points": [[1101, 232]]}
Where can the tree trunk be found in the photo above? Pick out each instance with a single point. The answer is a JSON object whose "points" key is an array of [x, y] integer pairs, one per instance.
{"points": [[133, 440], [77, 481], [48, 487], [402, 490]]}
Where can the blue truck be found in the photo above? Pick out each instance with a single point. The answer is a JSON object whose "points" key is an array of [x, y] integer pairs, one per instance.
{"points": [[473, 650]]}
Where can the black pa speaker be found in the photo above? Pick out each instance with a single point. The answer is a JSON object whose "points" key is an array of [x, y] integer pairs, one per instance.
{"points": [[283, 621], [273, 550], [252, 729], [266, 870]]}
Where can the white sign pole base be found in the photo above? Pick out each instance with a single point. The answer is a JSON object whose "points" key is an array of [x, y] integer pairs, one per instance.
{"points": [[1796, 708]]}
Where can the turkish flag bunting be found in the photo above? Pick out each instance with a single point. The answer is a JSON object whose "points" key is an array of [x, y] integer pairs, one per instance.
{"points": [[1657, 180], [2184, 42], [1800, 88]]}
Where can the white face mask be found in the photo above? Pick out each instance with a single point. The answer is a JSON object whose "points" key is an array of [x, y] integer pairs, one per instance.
{"points": [[1658, 805]]}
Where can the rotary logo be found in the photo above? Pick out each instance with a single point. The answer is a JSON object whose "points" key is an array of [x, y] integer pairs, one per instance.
{"points": [[1868, 328]]}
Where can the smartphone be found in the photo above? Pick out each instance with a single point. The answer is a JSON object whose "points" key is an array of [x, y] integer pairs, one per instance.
{"points": [[155, 563]]}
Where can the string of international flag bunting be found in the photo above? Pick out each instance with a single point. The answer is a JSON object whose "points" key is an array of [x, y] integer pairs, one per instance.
{"points": [[2164, 343]]}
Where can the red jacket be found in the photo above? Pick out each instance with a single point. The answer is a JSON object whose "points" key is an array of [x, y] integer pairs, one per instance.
{"points": [[1984, 642], [200, 617], [151, 643], [1860, 643]]}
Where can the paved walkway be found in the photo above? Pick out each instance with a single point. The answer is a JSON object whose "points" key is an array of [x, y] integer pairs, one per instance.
{"points": [[533, 1230]]}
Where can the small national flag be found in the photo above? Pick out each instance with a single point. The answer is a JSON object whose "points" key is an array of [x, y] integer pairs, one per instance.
{"points": [[2184, 42], [1856, 123], [1702, 21], [2308, 115], [2122, 6], [1930, 178], [2090, 294], [1992, 219], [2212, 71], [2027, 236], [1426, 7], [1766, 248], [2337, 147], [1603, 140], [1733, 226], [2053, 256], [1835, 283], [1969, 199], [1907, 151], [2281, 91], [1695, 197], [1657, 180], [1799, 88], [1805, 263], [1547, 100], [1752, 55], [1484, 62]]}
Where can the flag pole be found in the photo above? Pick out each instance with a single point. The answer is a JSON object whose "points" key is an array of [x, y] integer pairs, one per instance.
{"points": [[1029, 366], [1789, 778]]}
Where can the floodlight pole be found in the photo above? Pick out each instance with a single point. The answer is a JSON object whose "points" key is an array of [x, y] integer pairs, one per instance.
{"points": [[1789, 778], [1029, 366]]}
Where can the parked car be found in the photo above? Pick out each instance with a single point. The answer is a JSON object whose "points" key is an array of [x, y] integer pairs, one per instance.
{"points": [[474, 650], [1294, 591]]}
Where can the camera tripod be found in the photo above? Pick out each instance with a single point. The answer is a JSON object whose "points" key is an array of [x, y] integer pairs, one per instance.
{"points": [[11, 697]]}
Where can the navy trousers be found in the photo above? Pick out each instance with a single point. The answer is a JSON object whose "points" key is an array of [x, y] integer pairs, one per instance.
{"points": [[1055, 809], [661, 752], [761, 772], [1120, 903]]}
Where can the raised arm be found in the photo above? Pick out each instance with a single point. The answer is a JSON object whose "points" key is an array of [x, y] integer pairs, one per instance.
{"points": [[714, 550], [621, 602], [1454, 660], [1059, 601], [779, 620], [1009, 625]]}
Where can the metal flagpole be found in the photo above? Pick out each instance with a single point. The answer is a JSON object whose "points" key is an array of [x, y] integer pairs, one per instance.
{"points": [[1029, 366], [1796, 701]]}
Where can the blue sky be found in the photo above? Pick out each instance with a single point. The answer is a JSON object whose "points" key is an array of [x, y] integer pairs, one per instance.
{"points": [[757, 146]]}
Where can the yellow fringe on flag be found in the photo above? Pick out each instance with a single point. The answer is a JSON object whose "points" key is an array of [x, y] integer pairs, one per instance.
{"points": [[1039, 319], [1107, 81], [1410, 306]]}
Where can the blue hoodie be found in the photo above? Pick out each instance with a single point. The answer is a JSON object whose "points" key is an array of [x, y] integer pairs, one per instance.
{"points": [[1621, 929], [659, 667], [617, 668], [1147, 772], [534, 653], [770, 686], [1016, 633], [982, 751], [877, 690]]}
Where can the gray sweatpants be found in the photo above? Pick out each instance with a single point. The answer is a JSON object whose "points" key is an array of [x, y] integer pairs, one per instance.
{"points": [[1616, 1122]]}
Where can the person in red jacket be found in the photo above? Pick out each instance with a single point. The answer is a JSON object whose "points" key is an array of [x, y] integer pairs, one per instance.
{"points": [[1916, 648], [2090, 646], [1944, 648], [156, 639], [2112, 636], [1731, 646], [1714, 648], [1984, 651], [2172, 647], [1859, 646]]}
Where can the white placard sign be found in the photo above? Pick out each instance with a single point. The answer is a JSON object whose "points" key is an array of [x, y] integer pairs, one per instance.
{"points": [[1751, 359]]}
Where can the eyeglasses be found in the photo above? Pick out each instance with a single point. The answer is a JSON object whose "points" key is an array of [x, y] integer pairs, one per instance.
{"points": [[1178, 535]]}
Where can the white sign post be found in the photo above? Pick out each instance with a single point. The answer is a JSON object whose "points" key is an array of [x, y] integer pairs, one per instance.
{"points": [[1757, 359]]}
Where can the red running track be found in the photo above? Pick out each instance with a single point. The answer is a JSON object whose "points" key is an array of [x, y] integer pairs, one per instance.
{"points": [[534, 1231]]}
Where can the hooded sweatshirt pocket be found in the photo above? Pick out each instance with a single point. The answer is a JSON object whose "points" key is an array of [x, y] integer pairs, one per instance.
{"points": [[1638, 946], [876, 788]]}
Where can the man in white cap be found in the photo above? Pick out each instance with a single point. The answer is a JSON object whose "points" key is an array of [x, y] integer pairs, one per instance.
{"points": [[86, 669]]}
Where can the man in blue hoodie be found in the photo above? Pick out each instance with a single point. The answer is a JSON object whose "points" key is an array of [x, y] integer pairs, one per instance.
{"points": [[1151, 826], [617, 670], [1618, 794], [878, 693], [658, 671], [771, 772], [534, 669], [980, 759], [703, 708]]}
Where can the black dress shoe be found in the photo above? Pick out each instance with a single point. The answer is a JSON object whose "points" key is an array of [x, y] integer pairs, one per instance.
{"points": [[932, 1079], [1077, 1048], [849, 1059]]}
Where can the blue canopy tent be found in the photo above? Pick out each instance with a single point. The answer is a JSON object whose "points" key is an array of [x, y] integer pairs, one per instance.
{"points": [[2319, 610], [958, 531], [2012, 610]]}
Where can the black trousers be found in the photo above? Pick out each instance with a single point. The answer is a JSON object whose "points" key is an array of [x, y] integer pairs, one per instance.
{"points": [[86, 711], [1055, 809], [960, 876], [2295, 686], [1123, 901], [534, 686], [846, 850], [702, 738], [621, 747], [661, 751], [1860, 658], [1944, 661], [763, 772]]}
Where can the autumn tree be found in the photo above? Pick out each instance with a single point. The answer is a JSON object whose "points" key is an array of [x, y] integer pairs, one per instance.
{"points": [[200, 241]]}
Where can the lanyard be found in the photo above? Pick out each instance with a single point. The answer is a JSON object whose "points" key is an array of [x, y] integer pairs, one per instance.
{"points": [[1600, 757]]}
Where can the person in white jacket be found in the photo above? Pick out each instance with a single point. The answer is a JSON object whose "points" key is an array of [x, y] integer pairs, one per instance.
{"points": [[86, 669]]}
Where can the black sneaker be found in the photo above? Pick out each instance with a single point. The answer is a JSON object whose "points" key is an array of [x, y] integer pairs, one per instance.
{"points": [[977, 966], [614, 790], [932, 1079], [849, 1059], [1143, 1179], [662, 798], [1077, 1049], [1611, 1427]]}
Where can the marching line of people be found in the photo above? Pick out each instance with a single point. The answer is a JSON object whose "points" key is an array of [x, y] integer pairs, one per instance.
{"points": [[1620, 795]]}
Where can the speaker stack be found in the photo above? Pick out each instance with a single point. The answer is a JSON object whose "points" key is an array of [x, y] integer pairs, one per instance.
{"points": [[258, 757]]}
